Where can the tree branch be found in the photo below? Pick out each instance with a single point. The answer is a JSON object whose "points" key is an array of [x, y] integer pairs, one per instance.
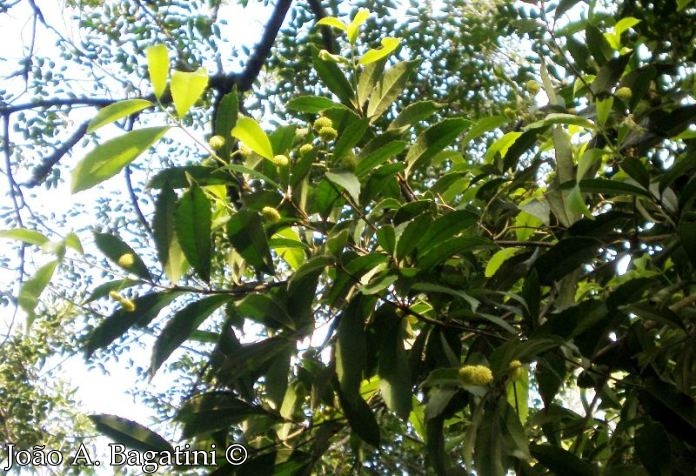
{"points": [[42, 171], [263, 48], [327, 35]]}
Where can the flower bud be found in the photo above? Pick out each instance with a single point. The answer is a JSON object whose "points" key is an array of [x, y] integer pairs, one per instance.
{"points": [[322, 122], [328, 134], [624, 93], [127, 305], [115, 295], [475, 375], [515, 368], [533, 87], [216, 142], [306, 150], [281, 160], [126, 260], [270, 214]]}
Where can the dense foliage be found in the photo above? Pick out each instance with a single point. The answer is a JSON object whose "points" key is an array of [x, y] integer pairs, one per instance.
{"points": [[405, 244]]}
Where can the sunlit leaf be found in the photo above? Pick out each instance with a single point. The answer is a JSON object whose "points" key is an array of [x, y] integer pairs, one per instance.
{"points": [[130, 433], [389, 44], [158, 68], [192, 223], [250, 133], [109, 158], [116, 111]]}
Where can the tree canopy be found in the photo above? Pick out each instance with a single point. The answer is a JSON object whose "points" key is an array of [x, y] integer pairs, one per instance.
{"points": [[391, 237]]}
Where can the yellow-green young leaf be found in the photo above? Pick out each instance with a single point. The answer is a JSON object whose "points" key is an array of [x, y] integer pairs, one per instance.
{"points": [[32, 288], [502, 145], [158, 68], [603, 109], [359, 19], [114, 112], [110, 157], [332, 21], [287, 244], [389, 44], [576, 204], [498, 259], [25, 235], [187, 88], [249, 131]]}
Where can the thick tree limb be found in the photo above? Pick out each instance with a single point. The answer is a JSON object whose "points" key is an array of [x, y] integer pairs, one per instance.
{"points": [[327, 35]]}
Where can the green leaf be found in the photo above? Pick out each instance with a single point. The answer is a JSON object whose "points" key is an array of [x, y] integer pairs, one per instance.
{"points": [[158, 68], [360, 418], [114, 248], [611, 187], [266, 310], [637, 171], [347, 181], [389, 44], [209, 412], [413, 113], [560, 461], [460, 244], [293, 253], [104, 289], [484, 125], [116, 111], [369, 159], [488, 454], [313, 104], [109, 158], [654, 449], [561, 118], [565, 167], [73, 241], [566, 256], [501, 146], [394, 372], [130, 433], [192, 223], [333, 22], [31, 237], [250, 133], [351, 349], [245, 231], [433, 140], [31, 289], [181, 326], [353, 28], [388, 88], [334, 79], [349, 138], [495, 261], [147, 307], [187, 88], [225, 119], [169, 251]]}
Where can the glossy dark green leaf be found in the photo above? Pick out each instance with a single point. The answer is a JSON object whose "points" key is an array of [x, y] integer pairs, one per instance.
{"points": [[653, 449], [488, 453], [209, 412], [360, 418], [611, 187], [597, 44], [110, 157], [447, 226], [334, 79], [351, 349], [636, 170], [130, 433], [435, 445], [180, 327], [433, 140], [410, 236], [560, 461], [609, 74], [192, 223], [225, 119], [265, 309], [180, 177], [313, 104], [394, 373], [163, 224], [566, 256], [114, 248], [414, 113], [147, 307], [368, 161], [347, 181], [388, 88], [447, 248], [245, 231], [687, 236], [349, 137]]}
